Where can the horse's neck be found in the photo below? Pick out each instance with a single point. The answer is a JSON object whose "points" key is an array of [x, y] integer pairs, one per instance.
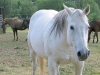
{"points": [[27, 25]]}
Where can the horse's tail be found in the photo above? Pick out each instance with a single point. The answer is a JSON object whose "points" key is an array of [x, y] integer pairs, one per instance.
{"points": [[42, 65]]}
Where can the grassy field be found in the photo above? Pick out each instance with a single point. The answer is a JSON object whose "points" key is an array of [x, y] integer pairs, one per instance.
{"points": [[15, 59]]}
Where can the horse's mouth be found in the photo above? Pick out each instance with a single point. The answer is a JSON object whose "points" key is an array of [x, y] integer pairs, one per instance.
{"points": [[83, 57]]}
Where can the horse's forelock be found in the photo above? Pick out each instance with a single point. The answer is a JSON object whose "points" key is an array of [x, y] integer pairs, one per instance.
{"points": [[80, 15], [59, 22]]}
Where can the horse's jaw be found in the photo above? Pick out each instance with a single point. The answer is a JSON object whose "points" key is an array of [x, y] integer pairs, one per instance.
{"points": [[82, 53]]}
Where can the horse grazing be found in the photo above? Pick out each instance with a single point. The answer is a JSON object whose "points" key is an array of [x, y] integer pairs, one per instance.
{"points": [[60, 38], [25, 23], [94, 27], [15, 24]]}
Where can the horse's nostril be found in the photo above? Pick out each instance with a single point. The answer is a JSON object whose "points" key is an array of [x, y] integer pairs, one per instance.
{"points": [[79, 54], [83, 55]]}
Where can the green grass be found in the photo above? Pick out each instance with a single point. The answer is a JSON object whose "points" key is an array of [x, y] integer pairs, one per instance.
{"points": [[15, 58]]}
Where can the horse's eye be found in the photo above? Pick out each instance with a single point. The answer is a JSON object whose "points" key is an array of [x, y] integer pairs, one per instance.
{"points": [[71, 27]]}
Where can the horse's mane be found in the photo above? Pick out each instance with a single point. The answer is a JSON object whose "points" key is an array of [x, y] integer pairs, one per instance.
{"points": [[27, 20], [59, 22], [91, 22]]}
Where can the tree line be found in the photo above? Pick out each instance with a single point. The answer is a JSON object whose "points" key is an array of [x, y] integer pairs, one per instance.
{"points": [[25, 8]]}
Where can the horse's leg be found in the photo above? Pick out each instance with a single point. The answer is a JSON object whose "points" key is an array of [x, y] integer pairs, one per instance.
{"points": [[94, 37], [33, 56], [16, 35], [79, 67], [26, 39], [42, 65], [96, 33], [89, 35], [88, 39], [53, 66]]}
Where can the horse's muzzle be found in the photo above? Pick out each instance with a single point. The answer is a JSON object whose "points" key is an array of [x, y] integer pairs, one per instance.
{"points": [[83, 55]]}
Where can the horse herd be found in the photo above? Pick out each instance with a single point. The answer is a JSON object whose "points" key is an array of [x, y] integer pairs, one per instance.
{"points": [[58, 37], [17, 24]]}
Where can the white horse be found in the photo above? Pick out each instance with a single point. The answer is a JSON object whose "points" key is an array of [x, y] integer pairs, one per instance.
{"points": [[61, 37]]}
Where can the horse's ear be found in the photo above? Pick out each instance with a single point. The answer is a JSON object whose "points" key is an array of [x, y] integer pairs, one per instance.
{"points": [[67, 9], [87, 9]]}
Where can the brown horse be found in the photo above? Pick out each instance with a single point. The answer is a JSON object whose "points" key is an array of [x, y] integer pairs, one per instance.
{"points": [[15, 25], [94, 27]]}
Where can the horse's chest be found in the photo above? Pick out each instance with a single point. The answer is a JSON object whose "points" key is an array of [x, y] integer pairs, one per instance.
{"points": [[64, 56], [61, 51]]}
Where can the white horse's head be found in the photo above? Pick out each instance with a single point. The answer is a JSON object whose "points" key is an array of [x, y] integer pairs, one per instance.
{"points": [[77, 31]]}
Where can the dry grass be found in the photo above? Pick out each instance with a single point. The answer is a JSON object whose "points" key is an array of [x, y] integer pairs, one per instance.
{"points": [[15, 60]]}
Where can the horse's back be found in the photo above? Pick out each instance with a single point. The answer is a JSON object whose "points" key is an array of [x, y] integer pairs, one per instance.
{"points": [[38, 23], [95, 25], [40, 19], [42, 15]]}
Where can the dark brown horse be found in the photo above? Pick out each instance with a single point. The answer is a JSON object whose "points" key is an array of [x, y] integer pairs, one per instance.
{"points": [[15, 25], [94, 27], [25, 23]]}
